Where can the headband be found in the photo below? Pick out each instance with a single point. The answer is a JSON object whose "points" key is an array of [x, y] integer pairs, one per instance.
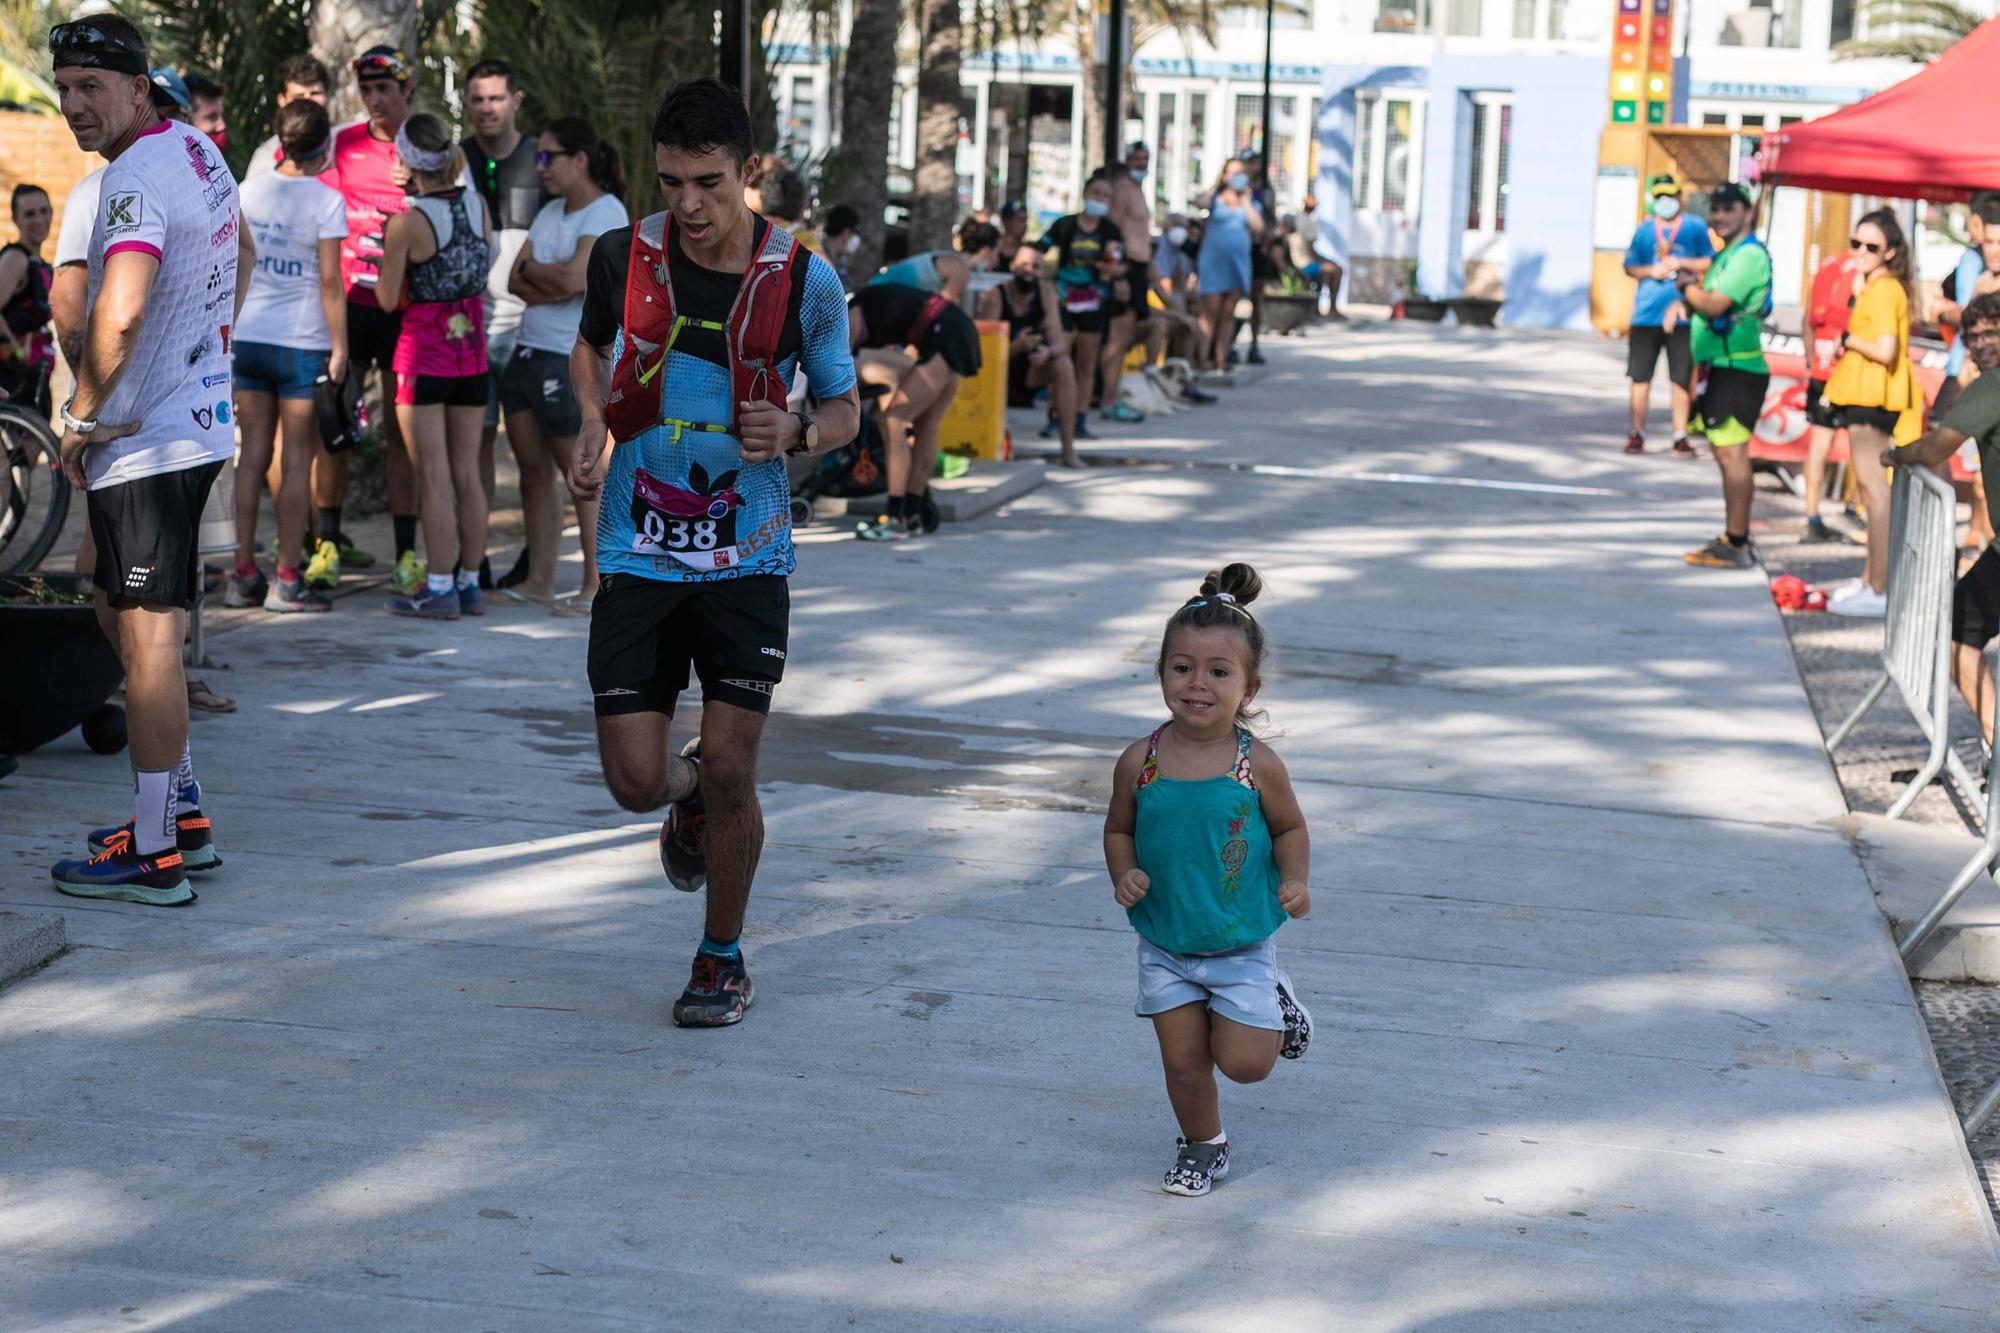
{"points": [[326, 146], [419, 159], [82, 45]]}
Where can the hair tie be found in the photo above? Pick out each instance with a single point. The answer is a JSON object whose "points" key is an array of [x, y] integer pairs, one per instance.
{"points": [[1221, 599], [1224, 597], [419, 159]]}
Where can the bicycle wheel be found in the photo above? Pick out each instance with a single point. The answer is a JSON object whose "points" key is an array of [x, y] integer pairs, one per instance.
{"points": [[37, 494]]}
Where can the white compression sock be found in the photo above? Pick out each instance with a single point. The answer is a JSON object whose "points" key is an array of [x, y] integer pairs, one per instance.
{"points": [[439, 584], [1219, 1138], [468, 578], [187, 792], [153, 827]]}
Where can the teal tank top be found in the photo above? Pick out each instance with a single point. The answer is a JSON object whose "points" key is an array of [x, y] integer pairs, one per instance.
{"points": [[1207, 850], [919, 271]]}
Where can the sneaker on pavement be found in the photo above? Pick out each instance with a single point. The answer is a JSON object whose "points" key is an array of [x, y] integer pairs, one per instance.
{"points": [[884, 529], [683, 854], [423, 604], [1298, 1020], [409, 574], [1196, 396], [1684, 447], [323, 568], [1818, 531], [718, 992], [120, 874], [194, 839], [1196, 1168], [1721, 554], [1635, 443], [1256, 357], [240, 592], [1083, 426], [286, 599], [471, 602], [353, 556], [1867, 604], [1840, 592], [1122, 412]]}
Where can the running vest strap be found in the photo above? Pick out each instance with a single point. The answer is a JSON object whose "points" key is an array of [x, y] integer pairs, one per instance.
{"points": [[756, 322]]}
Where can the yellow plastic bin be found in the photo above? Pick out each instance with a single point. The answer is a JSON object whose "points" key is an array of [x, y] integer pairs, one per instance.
{"points": [[976, 422]]}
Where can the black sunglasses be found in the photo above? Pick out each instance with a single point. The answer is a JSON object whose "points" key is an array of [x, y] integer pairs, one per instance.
{"points": [[83, 36], [543, 157], [1871, 247]]}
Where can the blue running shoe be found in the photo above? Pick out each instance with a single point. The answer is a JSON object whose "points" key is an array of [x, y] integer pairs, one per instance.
{"points": [[195, 840], [471, 602], [120, 874], [423, 604]]}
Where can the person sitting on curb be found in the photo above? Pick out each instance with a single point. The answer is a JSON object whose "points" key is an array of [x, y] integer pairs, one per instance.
{"points": [[1037, 349], [1975, 600], [1731, 375]]}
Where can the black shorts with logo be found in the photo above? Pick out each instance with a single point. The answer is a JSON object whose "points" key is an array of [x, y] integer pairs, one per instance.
{"points": [[536, 381], [145, 531], [1642, 354], [646, 633]]}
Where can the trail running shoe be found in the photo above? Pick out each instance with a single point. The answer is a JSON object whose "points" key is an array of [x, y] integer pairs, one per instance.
{"points": [[409, 574], [1196, 1168], [717, 993], [1684, 447], [120, 874], [423, 604], [1298, 1021], [1635, 443], [353, 556], [194, 839], [242, 592], [471, 602], [1122, 412], [683, 854], [290, 598], [884, 529], [323, 569], [1721, 554]]}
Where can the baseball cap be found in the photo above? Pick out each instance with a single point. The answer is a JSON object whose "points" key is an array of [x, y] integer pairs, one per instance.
{"points": [[1729, 193], [1664, 183], [382, 62], [170, 91]]}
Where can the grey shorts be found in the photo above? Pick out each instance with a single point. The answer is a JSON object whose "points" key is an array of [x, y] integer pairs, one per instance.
{"points": [[537, 381], [1241, 985]]}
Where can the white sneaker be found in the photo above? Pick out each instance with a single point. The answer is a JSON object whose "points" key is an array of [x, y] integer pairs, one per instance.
{"points": [[1865, 604], [1840, 592]]}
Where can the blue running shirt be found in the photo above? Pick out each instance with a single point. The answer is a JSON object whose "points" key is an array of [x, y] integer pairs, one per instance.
{"points": [[680, 505]]}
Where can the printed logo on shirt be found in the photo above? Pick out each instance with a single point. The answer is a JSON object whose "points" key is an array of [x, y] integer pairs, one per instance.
{"points": [[225, 340], [213, 196], [123, 212], [223, 233], [198, 157], [208, 417], [199, 352], [210, 381]]}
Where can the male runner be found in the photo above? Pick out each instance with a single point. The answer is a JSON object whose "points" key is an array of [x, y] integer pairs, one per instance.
{"points": [[501, 162], [1135, 223], [148, 428], [299, 78], [370, 181], [695, 322]]}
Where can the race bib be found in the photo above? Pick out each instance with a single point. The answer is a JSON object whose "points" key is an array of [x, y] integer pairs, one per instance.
{"points": [[1080, 300], [695, 524]]}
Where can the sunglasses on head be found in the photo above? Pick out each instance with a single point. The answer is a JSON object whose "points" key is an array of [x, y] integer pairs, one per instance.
{"points": [[1872, 247], [543, 156], [381, 67], [87, 36]]}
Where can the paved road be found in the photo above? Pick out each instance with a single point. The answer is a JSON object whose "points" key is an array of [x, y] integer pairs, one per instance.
{"points": [[1610, 1034]]}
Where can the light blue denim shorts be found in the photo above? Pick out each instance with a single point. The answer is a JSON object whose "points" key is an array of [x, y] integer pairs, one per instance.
{"points": [[1241, 985]]}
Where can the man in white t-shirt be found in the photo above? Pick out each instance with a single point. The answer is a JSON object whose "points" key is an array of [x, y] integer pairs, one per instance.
{"points": [[147, 428]]}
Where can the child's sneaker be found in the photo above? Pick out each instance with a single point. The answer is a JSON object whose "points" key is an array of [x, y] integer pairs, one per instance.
{"points": [[1196, 1168], [1298, 1022]]}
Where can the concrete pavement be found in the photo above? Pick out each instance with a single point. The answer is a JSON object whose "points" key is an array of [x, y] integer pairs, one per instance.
{"points": [[1610, 1032]]}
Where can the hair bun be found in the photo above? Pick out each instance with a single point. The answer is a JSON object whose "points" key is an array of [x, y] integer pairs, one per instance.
{"points": [[1238, 580]]}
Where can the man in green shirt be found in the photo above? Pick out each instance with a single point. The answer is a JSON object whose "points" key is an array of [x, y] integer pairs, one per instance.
{"points": [[1975, 602], [1730, 374]]}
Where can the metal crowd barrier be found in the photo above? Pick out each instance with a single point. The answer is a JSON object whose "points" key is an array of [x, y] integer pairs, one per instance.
{"points": [[1982, 863], [1916, 634]]}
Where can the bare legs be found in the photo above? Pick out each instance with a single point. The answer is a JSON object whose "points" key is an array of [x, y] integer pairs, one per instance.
{"points": [[1194, 1044], [542, 459], [1864, 452], [446, 440], [261, 416], [1218, 328]]}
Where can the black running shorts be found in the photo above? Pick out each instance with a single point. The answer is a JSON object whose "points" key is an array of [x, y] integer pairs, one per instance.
{"points": [[146, 536], [371, 340], [1975, 602], [1642, 354], [646, 633]]}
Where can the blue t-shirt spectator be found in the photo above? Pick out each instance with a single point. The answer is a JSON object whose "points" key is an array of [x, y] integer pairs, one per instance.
{"points": [[1970, 265], [1685, 238]]}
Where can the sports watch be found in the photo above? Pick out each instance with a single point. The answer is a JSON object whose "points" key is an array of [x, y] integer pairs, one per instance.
{"points": [[75, 425], [808, 435]]}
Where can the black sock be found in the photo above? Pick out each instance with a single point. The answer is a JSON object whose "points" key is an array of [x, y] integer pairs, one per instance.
{"points": [[406, 533], [1735, 540], [329, 525], [894, 508], [485, 573]]}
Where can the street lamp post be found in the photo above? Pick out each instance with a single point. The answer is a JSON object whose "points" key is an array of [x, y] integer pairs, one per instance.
{"points": [[1264, 125]]}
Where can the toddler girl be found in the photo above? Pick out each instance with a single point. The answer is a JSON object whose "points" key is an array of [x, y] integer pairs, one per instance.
{"points": [[1207, 852]]}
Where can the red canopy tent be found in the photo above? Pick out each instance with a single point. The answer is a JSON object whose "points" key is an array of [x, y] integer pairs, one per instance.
{"points": [[1923, 138]]}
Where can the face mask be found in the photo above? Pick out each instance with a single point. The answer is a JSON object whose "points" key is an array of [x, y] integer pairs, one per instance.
{"points": [[1137, 173], [853, 243], [1177, 236], [1239, 180], [1667, 208], [1095, 208], [1024, 282]]}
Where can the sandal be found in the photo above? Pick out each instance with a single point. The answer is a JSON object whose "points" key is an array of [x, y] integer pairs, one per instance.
{"points": [[208, 701], [571, 606]]}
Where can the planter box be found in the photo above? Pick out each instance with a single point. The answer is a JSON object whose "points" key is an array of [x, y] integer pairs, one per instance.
{"points": [[1287, 313], [58, 669], [1423, 308], [1476, 312]]}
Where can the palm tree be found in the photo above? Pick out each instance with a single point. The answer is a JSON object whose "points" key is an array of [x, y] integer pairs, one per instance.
{"points": [[1919, 30], [235, 42], [343, 29], [859, 173], [934, 199]]}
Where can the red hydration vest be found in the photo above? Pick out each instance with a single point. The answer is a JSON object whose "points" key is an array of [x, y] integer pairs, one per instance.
{"points": [[756, 321]]}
